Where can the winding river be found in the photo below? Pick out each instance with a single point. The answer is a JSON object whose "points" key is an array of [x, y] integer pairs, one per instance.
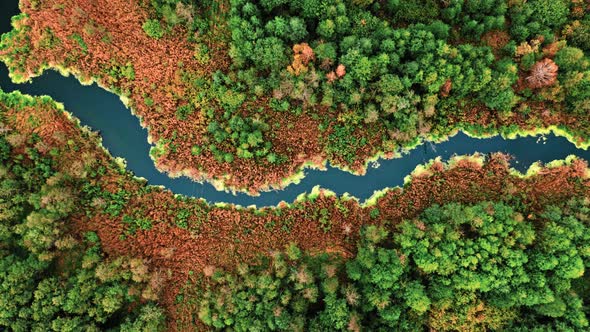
{"points": [[123, 137]]}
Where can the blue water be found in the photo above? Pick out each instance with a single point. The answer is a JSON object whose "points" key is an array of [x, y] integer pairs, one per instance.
{"points": [[123, 137]]}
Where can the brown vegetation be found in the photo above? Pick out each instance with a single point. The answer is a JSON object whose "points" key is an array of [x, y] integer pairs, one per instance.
{"points": [[496, 39], [221, 237], [226, 237], [446, 88], [96, 38], [114, 38]]}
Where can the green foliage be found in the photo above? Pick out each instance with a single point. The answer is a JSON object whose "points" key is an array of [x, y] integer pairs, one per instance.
{"points": [[149, 102], [269, 54], [115, 202], [580, 36], [454, 268], [499, 95], [269, 297], [574, 76], [403, 66], [399, 65], [135, 224], [324, 220], [80, 42], [571, 59], [413, 11], [538, 17], [48, 40], [150, 318], [374, 213], [202, 53], [244, 133], [118, 72], [230, 134], [182, 218], [153, 29], [49, 280], [344, 144], [362, 3], [477, 16], [15, 46], [34, 298], [183, 111], [176, 11]]}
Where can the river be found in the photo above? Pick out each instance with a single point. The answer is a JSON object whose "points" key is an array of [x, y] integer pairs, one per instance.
{"points": [[123, 137]]}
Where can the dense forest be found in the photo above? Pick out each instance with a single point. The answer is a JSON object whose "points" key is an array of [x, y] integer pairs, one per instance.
{"points": [[466, 246], [50, 278], [454, 268], [244, 94]]}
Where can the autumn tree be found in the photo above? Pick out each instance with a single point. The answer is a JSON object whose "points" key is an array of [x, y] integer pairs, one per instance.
{"points": [[453, 268]]}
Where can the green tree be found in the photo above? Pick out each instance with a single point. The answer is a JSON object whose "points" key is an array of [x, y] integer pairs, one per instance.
{"points": [[153, 29], [453, 268]]}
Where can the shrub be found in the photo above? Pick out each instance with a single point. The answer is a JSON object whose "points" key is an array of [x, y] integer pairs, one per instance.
{"points": [[183, 111], [153, 29]]}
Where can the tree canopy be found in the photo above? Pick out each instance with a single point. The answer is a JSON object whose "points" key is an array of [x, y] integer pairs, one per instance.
{"points": [[454, 268]]}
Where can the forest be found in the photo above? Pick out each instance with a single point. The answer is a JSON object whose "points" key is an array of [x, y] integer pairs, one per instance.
{"points": [[454, 268], [250, 92], [465, 246], [245, 94], [50, 278]]}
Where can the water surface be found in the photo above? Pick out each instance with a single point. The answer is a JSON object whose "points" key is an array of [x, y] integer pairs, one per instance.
{"points": [[123, 137]]}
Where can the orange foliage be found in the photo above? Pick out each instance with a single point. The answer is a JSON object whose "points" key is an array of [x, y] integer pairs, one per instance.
{"points": [[303, 54], [331, 76], [215, 237], [340, 70], [112, 31], [496, 39]]}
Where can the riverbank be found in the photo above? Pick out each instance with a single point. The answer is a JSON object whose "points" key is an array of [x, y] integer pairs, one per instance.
{"points": [[123, 137], [133, 76], [181, 236], [322, 164]]}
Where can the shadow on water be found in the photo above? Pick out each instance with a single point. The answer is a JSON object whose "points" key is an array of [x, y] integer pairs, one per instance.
{"points": [[123, 137]]}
